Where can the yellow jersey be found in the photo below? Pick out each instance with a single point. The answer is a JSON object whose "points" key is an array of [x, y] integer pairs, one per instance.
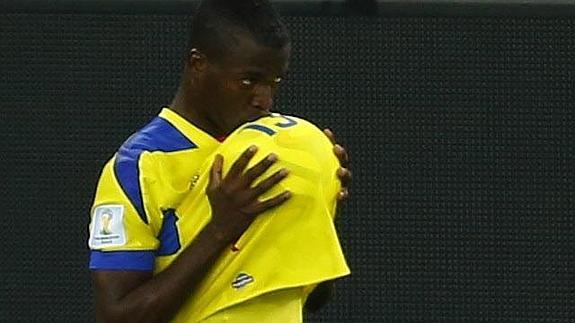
{"points": [[288, 250], [151, 203]]}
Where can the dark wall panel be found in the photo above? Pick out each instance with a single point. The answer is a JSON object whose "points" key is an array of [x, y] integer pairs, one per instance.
{"points": [[461, 132]]}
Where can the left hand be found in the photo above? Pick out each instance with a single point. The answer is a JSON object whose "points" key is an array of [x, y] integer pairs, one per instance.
{"points": [[343, 173]]}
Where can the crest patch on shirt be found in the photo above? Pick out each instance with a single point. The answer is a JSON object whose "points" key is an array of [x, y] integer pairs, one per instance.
{"points": [[107, 227]]}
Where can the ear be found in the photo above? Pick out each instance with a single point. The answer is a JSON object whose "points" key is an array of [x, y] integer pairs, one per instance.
{"points": [[197, 61]]}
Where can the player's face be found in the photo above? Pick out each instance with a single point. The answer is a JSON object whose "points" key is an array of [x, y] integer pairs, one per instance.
{"points": [[241, 86]]}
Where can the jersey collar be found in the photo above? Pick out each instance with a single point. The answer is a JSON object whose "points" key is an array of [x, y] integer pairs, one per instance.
{"points": [[193, 133]]}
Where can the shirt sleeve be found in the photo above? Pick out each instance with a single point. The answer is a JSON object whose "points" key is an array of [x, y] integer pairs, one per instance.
{"points": [[121, 236]]}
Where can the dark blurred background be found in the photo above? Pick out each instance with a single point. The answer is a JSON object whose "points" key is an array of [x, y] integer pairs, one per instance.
{"points": [[458, 116]]}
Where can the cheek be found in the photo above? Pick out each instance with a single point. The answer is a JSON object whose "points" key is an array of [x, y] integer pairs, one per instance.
{"points": [[230, 107], [218, 94], [225, 97], [232, 97]]}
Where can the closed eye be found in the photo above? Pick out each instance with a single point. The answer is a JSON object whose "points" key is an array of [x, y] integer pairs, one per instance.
{"points": [[247, 82]]}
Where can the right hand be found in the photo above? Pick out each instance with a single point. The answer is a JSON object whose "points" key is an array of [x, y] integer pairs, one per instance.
{"points": [[234, 201]]}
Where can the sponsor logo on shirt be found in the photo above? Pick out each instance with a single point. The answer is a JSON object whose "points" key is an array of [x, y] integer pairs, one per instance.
{"points": [[241, 280], [194, 181]]}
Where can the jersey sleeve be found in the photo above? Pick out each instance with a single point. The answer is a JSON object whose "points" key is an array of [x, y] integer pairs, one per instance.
{"points": [[122, 237]]}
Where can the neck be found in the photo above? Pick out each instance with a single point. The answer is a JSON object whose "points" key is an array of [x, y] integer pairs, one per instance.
{"points": [[192, 112]]}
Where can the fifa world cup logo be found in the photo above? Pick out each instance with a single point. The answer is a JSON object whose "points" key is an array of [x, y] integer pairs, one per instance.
{"points": [[106, 223]]}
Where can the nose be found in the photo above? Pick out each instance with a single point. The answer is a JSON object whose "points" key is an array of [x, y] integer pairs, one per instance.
{"points": [[263, 97]]}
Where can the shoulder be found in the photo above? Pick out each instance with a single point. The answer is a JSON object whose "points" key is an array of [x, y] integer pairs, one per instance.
{"points": [[134, 165], [157, 135]]}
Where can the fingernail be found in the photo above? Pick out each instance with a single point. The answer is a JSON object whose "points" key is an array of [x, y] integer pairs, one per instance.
{"points": [[253, 149], [341, 171], [272, 157], [284, 172]]}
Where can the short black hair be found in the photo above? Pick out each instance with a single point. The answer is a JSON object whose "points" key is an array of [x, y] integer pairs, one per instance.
{"points": [[215, 23]]}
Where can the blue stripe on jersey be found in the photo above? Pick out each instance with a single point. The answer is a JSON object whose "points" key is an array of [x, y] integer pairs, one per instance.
{"points": [[260, 128], [158, 135], [122, 260], [169, 237]]}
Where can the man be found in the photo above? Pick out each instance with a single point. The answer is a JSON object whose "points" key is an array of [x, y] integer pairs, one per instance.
{"points": [[141, 271]]}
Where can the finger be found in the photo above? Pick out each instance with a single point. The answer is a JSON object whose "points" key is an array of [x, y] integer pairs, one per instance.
{"points": [[343, 195], [344, 176], [240, 164], [268, 183], [341, 155], [260, 168], [330, 135], [260, 207], [216, 171]]}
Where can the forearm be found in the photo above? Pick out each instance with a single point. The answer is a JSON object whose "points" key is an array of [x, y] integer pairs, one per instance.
{"points": [[159, 297]]}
